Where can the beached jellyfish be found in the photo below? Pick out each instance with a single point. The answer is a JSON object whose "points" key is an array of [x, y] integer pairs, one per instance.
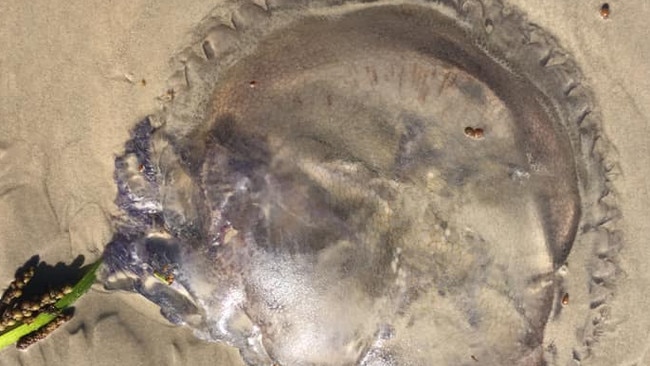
{"points": [[363, 183]]}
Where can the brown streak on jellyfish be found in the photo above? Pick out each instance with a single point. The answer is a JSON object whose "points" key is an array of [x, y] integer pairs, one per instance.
{"points": [[306, 195]]}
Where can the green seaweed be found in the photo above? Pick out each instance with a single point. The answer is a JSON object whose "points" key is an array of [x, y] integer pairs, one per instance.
{"points": [[13, 334]]}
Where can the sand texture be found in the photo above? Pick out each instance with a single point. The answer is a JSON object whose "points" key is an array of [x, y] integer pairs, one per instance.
{"points": [[552, 200]]}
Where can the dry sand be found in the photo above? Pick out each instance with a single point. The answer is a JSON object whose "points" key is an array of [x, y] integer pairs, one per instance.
{"points": [[75, 78]]}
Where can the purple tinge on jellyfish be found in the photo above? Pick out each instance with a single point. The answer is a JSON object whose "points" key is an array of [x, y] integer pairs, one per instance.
{"points": [[344, 210]]}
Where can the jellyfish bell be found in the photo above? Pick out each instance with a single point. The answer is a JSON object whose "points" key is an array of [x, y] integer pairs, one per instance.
{"points": [[361, 183]]}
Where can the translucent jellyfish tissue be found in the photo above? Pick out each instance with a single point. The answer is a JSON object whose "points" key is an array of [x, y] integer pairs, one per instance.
{"points": [[363, 183]]}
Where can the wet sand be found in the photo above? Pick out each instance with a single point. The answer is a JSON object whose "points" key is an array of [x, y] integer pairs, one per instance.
{"points": [[75, 79]]}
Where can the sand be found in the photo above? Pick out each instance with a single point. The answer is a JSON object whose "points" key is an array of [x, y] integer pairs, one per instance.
{"points": [[75, 79]]}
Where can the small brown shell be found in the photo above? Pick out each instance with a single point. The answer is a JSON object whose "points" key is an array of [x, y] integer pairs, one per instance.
{"points": [[474, 133], [604, 11]]}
